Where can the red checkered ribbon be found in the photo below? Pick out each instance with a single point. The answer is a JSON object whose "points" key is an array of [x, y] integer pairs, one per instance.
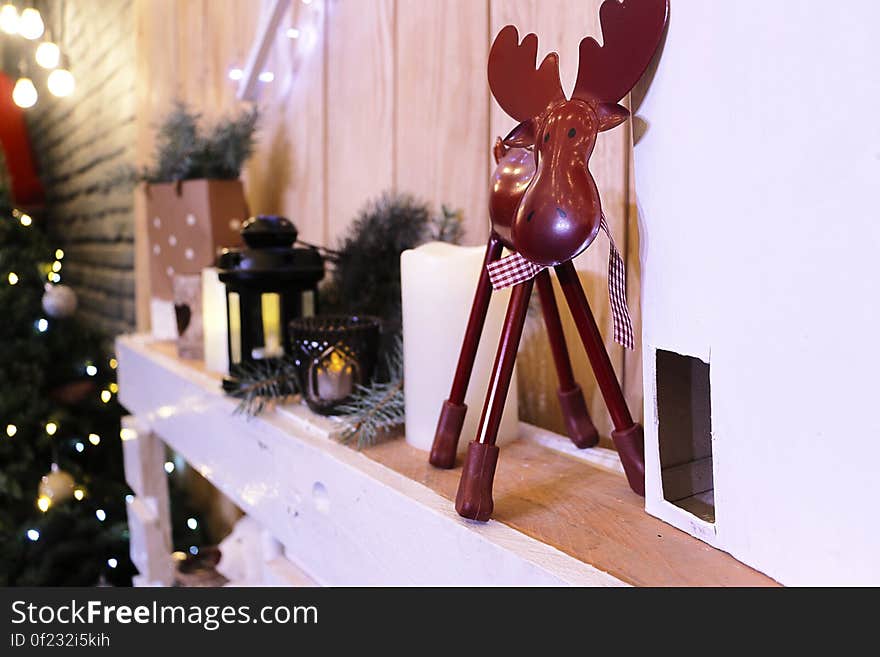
{"points": [[515, 269]]}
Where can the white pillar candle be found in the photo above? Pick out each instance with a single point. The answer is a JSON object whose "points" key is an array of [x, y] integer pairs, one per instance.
{"points": [[214, 321], [438, 282]]}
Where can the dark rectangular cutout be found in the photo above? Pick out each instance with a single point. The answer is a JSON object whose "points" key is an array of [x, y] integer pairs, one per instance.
{"points": [[685, 433]]}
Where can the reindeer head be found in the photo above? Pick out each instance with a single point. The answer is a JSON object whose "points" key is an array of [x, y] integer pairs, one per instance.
{"points": [[558, 214]]}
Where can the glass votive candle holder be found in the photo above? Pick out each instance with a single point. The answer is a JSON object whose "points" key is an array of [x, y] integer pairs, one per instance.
{"points": [[334, 354]]}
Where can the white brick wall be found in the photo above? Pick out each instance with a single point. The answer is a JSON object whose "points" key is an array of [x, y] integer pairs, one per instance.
{"points": [[85, 145]]}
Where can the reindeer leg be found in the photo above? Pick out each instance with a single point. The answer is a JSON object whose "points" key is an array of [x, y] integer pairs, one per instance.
{"points": [[628, 436], [474, 498], [571, 397], [452, 413]]}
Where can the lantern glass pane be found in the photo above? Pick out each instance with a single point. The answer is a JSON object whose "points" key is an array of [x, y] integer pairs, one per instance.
{"points": [[271, 312], [234, 327], [308, 303]]}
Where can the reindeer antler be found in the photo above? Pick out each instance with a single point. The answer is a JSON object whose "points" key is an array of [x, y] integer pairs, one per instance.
{"points": [[522, 91], [631, 32]]}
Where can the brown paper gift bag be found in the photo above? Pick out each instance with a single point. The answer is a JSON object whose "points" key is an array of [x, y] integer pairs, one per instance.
{"points": [[187, 223]]}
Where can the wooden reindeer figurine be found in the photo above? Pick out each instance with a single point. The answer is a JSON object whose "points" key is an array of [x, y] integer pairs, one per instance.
{"points": [[544, 206]]}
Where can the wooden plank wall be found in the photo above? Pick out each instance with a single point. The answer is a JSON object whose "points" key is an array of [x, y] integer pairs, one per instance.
{"points": [[386, 94]]}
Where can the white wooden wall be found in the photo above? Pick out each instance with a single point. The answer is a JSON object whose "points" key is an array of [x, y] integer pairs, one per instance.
{"points": [[385, 94]]}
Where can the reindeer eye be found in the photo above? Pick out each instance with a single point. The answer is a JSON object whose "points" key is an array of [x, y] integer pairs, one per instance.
{"points": [[571, 133], [546, 137]]}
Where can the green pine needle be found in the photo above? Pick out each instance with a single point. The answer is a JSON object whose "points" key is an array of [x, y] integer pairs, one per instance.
{"points": [[377, 409], [261, 383]]}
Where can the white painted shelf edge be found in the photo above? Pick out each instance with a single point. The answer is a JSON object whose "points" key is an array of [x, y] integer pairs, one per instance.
{"points": [[343, 518]]}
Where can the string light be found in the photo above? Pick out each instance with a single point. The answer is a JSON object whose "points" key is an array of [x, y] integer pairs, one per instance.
{"points": [[192, 523], [25, 220], [266, 76], [113, 363], [54, 277], [44, 502], [12, 278], [126, 433], [307, 2], [56, 266], [24, 94], [169, 467], [112, 562], [42, 324], [51, 428], [292, 33], [9, 19], [48, 54], [79, 447], [236, 74], [101, 515], [30, 24], [33, 535], [11, 430], [95, 439], [129, 498], [61, 82], [59, 254], [91, 370], [106, 396], [79, 494], [193, 550], [114, 388]]}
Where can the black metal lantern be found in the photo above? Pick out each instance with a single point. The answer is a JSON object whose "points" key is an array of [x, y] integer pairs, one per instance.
{"points": [[268, 284]]}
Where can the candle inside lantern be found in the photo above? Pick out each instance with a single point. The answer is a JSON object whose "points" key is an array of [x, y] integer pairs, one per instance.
{"points": [[214, 322], [438, 281], [271, 312], [234, 301]]}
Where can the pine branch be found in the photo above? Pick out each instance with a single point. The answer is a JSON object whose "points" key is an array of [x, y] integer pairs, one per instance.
{"points": [[373, 410], [377, 408], [262, 383], [448, 226], [186, 150]]}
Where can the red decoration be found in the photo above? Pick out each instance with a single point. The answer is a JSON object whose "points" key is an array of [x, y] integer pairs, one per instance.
{"points": [[544, 205], [26, 187]]}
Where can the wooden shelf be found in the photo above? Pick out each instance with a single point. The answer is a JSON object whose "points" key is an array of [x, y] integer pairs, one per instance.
{"points": [[558, 519]]}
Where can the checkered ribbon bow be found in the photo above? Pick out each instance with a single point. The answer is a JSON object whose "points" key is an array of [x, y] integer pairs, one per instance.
{"points": [[515, 269]]}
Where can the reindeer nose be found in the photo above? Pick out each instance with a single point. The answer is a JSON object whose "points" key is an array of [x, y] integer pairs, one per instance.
{"points": [[550, 233]]}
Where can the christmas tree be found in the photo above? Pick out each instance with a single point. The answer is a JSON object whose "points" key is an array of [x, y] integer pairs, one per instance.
{"points": [[62, 488]]}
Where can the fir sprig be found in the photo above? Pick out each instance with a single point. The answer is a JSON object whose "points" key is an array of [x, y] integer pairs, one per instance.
{"points": [[366, 278], [378, 408], [185, 150], [263, 382], [448, 226]]}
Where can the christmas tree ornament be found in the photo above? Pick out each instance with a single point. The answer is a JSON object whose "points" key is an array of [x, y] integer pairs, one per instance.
{"points": [[547, 213], [55, 486], [59, 301], [268, 284]]}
